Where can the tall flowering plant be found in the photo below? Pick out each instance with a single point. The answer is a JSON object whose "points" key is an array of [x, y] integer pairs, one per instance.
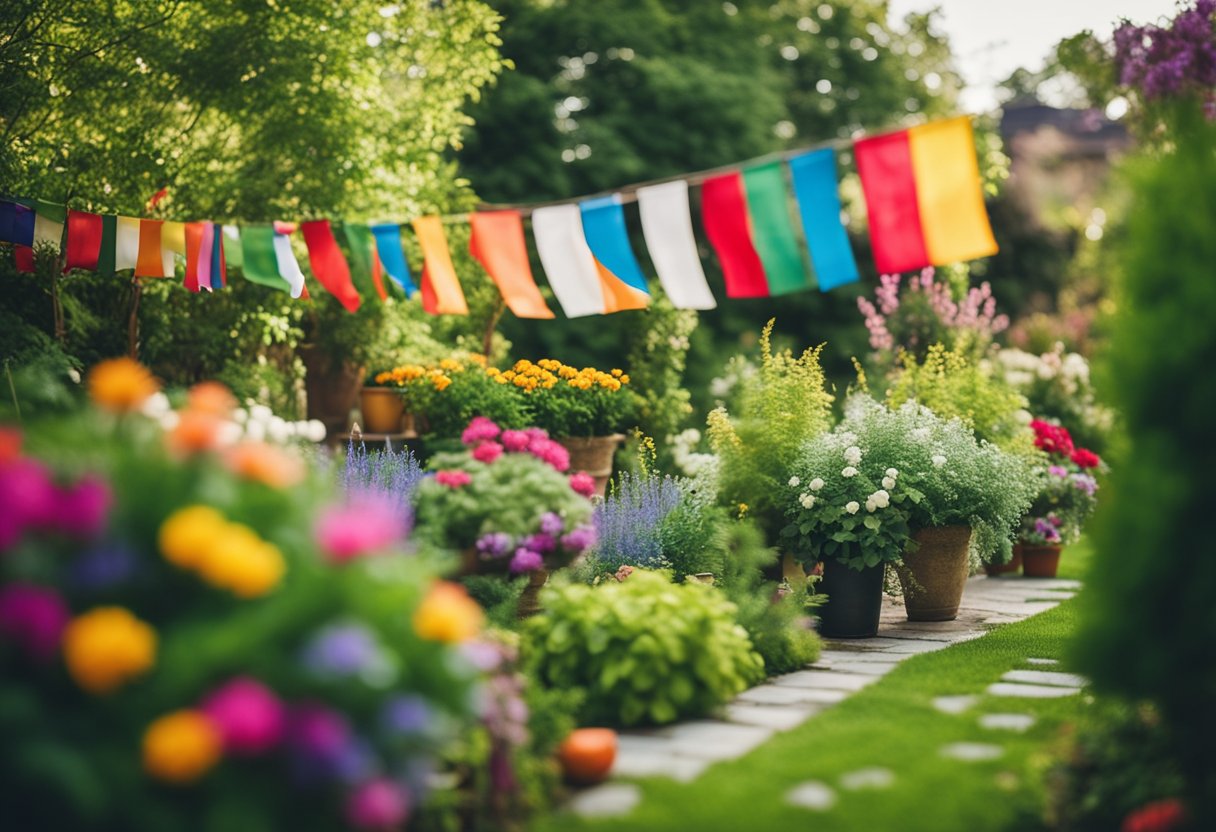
{"points": [[187, 624], [1171, 62], [508, 499], [1067, 488]]}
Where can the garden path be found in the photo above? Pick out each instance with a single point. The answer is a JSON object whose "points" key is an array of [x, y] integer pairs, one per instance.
{"points": [[684, 750]]}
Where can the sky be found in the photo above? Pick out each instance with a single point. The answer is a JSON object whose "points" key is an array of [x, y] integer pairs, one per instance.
{"points": [[991, 38]]}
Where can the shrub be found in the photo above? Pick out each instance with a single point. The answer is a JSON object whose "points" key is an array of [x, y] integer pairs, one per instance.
{"points": [[780, 406], [1057, 387], [568, 401], [644, 650], [447, 395]]}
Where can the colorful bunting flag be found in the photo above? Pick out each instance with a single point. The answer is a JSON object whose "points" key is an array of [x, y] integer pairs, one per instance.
{"points": [[667, 227], [289, 266], [172, 243], [392, 256], [198, 254], [328, 265], [231, 240], [815, 186], [259, 262], [924, 197], [364, 260], [126, 244], [23, 258], [497, 242], [441, 292], [49, 220], [567, 259], [728, 226], [84, 241], [772, 229], [16, 224], [109, 238], [218, 272], [150, 261]]}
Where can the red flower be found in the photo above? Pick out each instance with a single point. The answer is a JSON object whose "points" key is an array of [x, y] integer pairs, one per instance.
{"points": [[1084, 458], [1158, 816], [1054, 439]]}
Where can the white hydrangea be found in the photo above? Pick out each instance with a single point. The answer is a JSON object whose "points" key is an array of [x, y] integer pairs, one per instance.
{"points": [[938, 460], [850, 471], [891, 472], [852, 507], [888, 483], [807, 500], [795, 482], [816, 484], [852, 455], [881, 498]]}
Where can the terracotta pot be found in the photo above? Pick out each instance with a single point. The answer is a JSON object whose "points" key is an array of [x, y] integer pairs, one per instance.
{"points": [[1013, 566], [594, 455], [382, 409], [854, 602], [933, 576], [1040, 561], [587, 755], [529, 601], [331, 387]]}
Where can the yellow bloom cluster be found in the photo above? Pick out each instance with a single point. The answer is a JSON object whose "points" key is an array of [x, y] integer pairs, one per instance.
{"points": [[447, 614], [439, 375], [548, 373], [106, 647], [181, 747], [401, 375], [227, 555]]}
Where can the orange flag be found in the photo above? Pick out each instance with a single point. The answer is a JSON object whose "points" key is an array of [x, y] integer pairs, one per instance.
{"points": [[441, 292], [149, 263], [498, 244]]}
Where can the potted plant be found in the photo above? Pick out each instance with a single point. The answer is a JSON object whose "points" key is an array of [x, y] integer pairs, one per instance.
{"points": [[381, 400], [447, 395], [585, 409], [1066, 497], [507, 505]]}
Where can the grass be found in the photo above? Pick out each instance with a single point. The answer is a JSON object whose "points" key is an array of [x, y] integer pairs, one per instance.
{"points": [[891, 724]]}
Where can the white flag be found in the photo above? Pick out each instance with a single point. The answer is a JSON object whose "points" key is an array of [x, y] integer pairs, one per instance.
{"points": [[126, 243], [568, 261], [289, 267], [667, 227]]}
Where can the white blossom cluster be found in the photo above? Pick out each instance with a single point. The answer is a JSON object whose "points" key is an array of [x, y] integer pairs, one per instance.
{"points": [[253, 422]]}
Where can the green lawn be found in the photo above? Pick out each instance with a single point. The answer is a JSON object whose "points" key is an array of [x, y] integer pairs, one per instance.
{"points": [[891, 724]]}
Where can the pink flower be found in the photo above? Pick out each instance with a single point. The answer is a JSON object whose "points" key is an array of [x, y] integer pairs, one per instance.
{"points": [[34, 617], [27, 499], [368, 523], [83, 510], [453, 479], [487, 452], [515, 440], [251, 719], [583, 483], [378, 804], [525, 560], [551, 453], [480, 429]]}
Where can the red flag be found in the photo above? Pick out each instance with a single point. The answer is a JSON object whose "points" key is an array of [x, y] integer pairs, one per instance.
{"points": [[155, 199], [728, 226], [24, 257], [194, 244], [889, 184], [328, 264], [84, 240]]}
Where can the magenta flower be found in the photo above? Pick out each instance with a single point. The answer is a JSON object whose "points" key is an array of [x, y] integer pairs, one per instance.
{"points": [[540, 542], [526, 560], [319, 732], [579, 539], [494, 544], [583, 483], [27, 500], [453, 479], [34, 617], [551, 523], [250, 717], [480, 429], [367, 523], [515, 441], [487, 452], [83, 510], [378, 804], [551, 453]]}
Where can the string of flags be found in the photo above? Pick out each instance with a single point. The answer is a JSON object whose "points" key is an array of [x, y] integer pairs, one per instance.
{"points": [[922, 190]]}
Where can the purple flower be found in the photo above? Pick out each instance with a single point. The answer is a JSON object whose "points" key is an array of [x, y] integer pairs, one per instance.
{"points": [[551, 523], [494, 545], [34, 617], [543, 543], [1085, 483], [580, 539], [342, 650], [526, 560], [319, 733], [378, 804], [629, 522], [103, 567], [406, 714], [1058, 471]]}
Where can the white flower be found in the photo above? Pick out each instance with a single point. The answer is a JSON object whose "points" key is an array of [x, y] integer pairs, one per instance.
{"points": [[871, 505], [157, 405], [795, 482], [919, 434], [807, 500], [880, 498], [852, 455], [892, 473], [255, 431], [240, 415], [888, 482], [260, 413], [316, 430], [849, 472], [229, 433], [939, 460], [816, 484], [852, 507], [276, 429]]}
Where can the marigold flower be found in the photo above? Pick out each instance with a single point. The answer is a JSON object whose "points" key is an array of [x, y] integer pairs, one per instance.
{"points": [[121, 384], [242, 563], [106, 647], [265, 463], [448, 614], [196, 431], [181, 747], [441, 383], [211, 397], [187, 535]]}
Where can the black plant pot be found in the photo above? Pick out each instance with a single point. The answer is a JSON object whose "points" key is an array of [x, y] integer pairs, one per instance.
{"points": [[854, 600]]}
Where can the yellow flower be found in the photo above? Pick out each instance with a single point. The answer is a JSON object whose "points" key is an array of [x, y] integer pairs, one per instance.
{"points": [[187, 535], [121, 384], [567, 372], [441, 383], [242, 563], [450, 364], [381, 378], [624, 379], [493, 372], [478, 359], [106, 647], [181, 747], [502, 379], [448, 614], [742, 510], [617, 373]]}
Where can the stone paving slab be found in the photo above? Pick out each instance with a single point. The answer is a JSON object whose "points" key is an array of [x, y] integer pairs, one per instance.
{"points": [[777, 695], [606, 800], [1045, 677], [830, 658], [1030, 691], [823, 679], [769, 716], [714, 740]]}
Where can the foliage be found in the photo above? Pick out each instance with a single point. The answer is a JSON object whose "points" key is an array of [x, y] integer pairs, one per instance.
{"points": [[952, 385], [1057, 387], [657, 361], [567, 401], [1158, 515], [166, 596], [928, 311], [780, 407], [645, 650], [511, 500]]}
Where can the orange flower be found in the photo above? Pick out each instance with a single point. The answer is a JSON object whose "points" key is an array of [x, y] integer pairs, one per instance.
{"points": [[448, 614], [121, 384], [195, 431], [182, 746], [106, 647], [10, 444], [265, 464], [211, 397], [441, 383]]}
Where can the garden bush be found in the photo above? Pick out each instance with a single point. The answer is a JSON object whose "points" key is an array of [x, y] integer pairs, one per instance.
{"points": [[644, 650]]}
